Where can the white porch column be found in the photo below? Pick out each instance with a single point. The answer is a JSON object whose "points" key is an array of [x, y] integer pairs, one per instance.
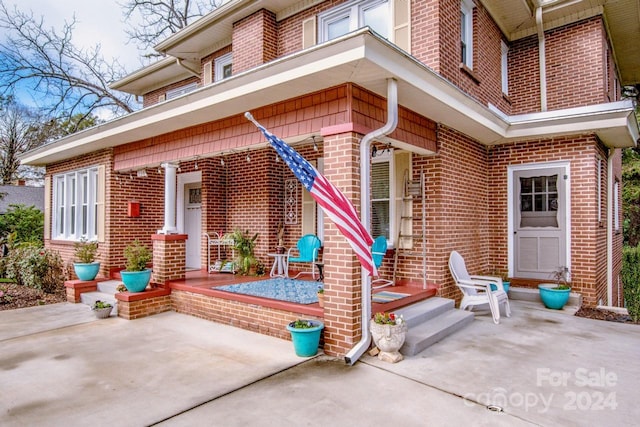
{"points": [[169, 199]]}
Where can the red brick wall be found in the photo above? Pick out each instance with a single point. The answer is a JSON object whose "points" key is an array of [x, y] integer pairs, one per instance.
{"points": [[588, 236], [65, 248], [267, 321], [575, 57], [254, 40]]}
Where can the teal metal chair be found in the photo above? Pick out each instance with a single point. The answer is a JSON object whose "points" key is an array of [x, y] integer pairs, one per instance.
{"points": [[378, 251], [308, 248]]}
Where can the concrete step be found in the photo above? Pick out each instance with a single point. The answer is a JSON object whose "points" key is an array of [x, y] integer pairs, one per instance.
{"points": [[425, 334], [533, 295], [89, 298], [422, 311], [109, 286]]}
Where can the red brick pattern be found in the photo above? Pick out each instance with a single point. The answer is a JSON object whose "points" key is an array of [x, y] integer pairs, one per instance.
{"points": [[254, 40], [252, 317], [169, 254], [137, 309]]}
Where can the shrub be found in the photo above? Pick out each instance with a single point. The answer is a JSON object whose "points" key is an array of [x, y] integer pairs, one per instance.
{"points": [[26, 223], [137, 256], [631, 280], [36, 268]]}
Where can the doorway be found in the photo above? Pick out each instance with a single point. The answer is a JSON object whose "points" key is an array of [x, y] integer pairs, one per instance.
{"points": [[189, 217], [539, 219]]}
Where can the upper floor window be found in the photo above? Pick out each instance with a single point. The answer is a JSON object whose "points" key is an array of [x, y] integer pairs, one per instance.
{"points": [[75, 205], [466, 32], [223, 66], [174, 93], [353, 15], [505, 67]]}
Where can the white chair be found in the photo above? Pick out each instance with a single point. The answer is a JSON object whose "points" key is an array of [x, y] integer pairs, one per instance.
{"points": [[476, 290]]}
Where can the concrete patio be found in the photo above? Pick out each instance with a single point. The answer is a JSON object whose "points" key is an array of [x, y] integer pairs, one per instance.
{"points": [[58, 366]]}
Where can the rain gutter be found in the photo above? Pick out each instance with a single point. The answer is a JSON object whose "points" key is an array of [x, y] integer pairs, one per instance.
{"points": [[188, 69], [365, 212]]}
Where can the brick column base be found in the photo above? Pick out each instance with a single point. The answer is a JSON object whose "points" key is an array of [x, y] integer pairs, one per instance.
{"points": [[169, 255]]}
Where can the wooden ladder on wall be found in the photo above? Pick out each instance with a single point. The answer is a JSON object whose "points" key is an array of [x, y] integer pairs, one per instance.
{"points": [[408, 241]]}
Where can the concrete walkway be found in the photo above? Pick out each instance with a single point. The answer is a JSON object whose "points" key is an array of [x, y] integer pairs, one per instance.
{"points": [[58, 366]]}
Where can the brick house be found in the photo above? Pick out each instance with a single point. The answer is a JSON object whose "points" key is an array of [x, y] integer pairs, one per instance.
{"points": [[509, 111]]}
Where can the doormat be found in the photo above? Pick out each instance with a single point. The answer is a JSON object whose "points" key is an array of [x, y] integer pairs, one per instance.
{"points": [[282, 289], [386, 296]]}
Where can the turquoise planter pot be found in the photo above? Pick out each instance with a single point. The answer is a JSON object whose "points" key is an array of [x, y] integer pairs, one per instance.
{"points": [[505, 285], [86, 272], [306, 341], [552, 298], [136, 281]]}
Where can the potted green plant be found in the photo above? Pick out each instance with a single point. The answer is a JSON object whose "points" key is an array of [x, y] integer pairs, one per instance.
{"points": [[101, 309], [86, 267], [320, 294], [305, 335], [555, 295], [136, 276], [244, 244], [388, 332]]}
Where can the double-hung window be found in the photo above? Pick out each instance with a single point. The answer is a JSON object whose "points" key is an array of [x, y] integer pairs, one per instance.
{"points": [[353, 15], [466, 33], [223, 66], [76, 205]]}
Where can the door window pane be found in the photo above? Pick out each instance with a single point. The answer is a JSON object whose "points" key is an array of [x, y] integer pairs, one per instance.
{"points": [[539, 201]]}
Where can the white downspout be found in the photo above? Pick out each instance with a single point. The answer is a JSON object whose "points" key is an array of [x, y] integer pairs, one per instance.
{"points": [[365, 212], [610, 197], [542, 60]]}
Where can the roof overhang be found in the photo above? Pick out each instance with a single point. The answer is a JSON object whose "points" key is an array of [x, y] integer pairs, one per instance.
{"points": [[360, 58]]}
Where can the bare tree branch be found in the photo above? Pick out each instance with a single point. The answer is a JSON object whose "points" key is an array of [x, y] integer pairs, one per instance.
{"points": [[61, 78], [160, 18]]}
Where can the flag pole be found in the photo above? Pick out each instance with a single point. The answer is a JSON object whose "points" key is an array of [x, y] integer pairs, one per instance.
{"points": [[251, 119]]}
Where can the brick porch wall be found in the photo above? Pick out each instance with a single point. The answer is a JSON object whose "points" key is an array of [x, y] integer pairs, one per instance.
{"points": [[264, 320]]}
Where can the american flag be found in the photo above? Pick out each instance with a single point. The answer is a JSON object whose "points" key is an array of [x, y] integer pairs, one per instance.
{"points": [[337, 207]]}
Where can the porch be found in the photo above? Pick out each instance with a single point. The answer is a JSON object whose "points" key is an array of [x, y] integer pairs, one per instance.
{"points": [[196, 295]]}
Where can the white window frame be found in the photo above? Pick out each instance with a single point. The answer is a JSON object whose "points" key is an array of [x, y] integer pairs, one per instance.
{"points": [[64, 197], [174, 93], [466, 34], [504, 61], [354, 10], [221, 62], [386, 156]]}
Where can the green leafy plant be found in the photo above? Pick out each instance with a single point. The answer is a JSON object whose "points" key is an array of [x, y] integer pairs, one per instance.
{"points": [[85, 251], [137, 256], [384, 318], [100, 304], [36, 268], [245, 244], [631, 280], [561, 277], [302, 324], [25, 223], [5, 298]]}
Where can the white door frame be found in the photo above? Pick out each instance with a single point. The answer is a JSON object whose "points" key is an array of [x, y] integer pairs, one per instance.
{"points": [[184, 178], [511, 171]]}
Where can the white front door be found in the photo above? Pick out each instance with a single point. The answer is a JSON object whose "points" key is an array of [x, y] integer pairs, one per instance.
{"points": [[539, 220], [193, 223]]}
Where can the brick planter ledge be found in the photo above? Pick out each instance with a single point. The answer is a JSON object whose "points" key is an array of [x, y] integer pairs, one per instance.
{"points": [[135, 305]]}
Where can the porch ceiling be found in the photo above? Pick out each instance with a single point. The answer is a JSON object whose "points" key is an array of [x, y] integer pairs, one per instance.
{"points": [[360, 58]]}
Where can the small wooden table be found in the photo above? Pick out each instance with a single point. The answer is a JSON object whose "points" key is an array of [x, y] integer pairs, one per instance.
{"points": [[279, 268]]}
